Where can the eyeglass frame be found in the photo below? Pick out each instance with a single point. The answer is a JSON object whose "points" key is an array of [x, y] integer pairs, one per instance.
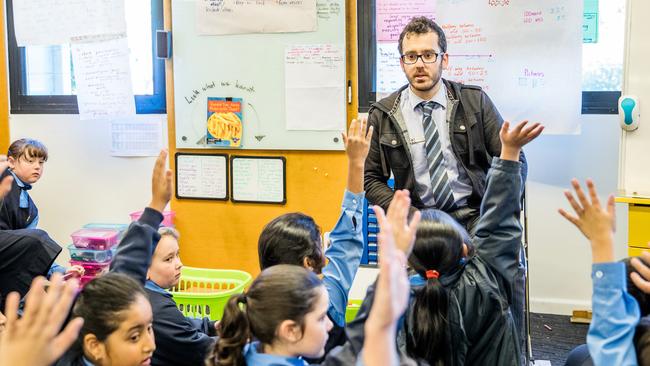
{"points": [[419, 57]]}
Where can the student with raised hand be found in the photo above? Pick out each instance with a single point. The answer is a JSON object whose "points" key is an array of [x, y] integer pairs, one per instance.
{"points": [[36, 339], [615, 311], [461, 291], [284, 313], [154, 263], [295, 238]]}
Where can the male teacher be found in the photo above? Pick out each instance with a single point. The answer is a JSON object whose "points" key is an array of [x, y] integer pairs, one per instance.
{"points": [[436, 136]]}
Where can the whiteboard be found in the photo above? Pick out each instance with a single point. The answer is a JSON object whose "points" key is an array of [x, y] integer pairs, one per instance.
{"points": [[251, 67], [634, 175], [202, 176], [260, 179]]}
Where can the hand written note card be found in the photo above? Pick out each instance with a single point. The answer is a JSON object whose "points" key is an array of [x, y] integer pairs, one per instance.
{"points": [[201, 176], [217, 17], [393, 15], [103, 76], [314, 77], [258, 179], [54, 22]]}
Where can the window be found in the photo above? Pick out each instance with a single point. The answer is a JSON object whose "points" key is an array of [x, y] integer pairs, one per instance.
{"points": [[41, 77], [602, 61]]}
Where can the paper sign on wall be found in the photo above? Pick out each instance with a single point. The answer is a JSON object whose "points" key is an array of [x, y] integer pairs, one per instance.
{"points": [[255, 16]]}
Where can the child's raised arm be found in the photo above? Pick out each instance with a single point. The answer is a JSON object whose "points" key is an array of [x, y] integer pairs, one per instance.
{"points": [[133, 255], [615, 312], [513, 140], [596, 223], [357, 144]]}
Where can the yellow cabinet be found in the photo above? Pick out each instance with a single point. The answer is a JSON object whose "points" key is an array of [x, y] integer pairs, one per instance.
{"points": [[638, 228]]}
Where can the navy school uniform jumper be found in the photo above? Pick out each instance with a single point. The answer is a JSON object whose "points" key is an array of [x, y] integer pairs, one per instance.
{"points": [[25, 252], [481, 323]]}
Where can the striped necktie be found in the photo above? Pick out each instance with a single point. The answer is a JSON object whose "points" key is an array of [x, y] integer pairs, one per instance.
{"points": [[442, 192]]}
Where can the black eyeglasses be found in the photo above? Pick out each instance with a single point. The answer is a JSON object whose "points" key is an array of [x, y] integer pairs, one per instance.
{"points": [[428, 57]]}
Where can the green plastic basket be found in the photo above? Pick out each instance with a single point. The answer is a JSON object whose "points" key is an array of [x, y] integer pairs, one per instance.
{"points": [[352, 310], [204, 292]]}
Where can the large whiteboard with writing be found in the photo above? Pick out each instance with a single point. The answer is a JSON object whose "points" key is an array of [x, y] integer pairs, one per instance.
{"points": [[526, 54], [291, 85]]}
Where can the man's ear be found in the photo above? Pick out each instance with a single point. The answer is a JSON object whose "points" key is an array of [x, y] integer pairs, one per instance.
{"points": [[289, 331], [445, 61], [465, 250]]}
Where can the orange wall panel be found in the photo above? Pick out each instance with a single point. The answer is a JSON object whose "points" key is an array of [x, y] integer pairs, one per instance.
{"points": [[4, 96], [217, 234]]}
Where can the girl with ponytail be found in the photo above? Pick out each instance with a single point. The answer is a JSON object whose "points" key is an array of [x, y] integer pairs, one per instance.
{"points": [[283, 317], [461, 289]]}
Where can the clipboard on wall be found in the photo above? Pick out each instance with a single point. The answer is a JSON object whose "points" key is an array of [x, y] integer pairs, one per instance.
{"points": [[202, 176], [258, 179]]}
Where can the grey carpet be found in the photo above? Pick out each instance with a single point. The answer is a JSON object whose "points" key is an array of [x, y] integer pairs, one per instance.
{"points": [[555, 344]]}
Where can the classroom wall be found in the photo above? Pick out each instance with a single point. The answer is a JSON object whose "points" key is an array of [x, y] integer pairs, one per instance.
{"points": [[82, 183], [559, 256]]}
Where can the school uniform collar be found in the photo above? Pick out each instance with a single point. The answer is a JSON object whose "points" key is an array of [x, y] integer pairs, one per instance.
{"points": [[415, 101], [152, 286], [253, 357], [85, 361], [24, 187]]}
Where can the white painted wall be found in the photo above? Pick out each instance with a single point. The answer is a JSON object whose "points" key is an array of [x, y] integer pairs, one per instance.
{"points": [[82, 183], [559, 257]]}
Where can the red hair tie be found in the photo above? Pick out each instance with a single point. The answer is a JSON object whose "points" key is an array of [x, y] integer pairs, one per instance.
{"points": [[432, 273]]}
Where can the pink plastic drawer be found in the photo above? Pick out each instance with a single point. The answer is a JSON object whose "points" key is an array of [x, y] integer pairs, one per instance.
{"points": [[95, 239], [168, 217], [92, 268]]}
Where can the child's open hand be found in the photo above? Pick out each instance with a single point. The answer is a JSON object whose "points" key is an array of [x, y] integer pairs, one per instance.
{"points": [[161, 183], [36, 339], [597, 223], [397, 215], [513, 140], [357, 141], [641, 277]]}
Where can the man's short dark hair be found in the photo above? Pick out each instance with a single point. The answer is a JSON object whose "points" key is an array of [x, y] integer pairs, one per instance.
{"points": [[423, 25]]}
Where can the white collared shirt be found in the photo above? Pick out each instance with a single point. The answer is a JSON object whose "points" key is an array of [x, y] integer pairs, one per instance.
{"points": [[412, 112]]}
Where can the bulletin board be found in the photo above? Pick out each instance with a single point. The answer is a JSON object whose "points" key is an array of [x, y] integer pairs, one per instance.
{"points": [[250, 68]]}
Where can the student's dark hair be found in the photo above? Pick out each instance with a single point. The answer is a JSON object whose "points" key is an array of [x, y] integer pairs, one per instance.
{"points": [[27, 147], [101, 303], [642, 341], [279, 293], [641, 297], [289, 239], [438, 247], [423, 25]]}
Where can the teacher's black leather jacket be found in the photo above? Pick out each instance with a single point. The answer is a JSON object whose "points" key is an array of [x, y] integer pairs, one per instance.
{"points": [[474, 124]]}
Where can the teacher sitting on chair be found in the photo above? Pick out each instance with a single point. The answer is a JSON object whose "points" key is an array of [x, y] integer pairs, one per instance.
{"points": [[436, 136]]}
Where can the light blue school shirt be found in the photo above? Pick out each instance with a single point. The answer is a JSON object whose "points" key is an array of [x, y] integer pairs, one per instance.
{"points": [[344, 255], [615, 317], [413, 114]]}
